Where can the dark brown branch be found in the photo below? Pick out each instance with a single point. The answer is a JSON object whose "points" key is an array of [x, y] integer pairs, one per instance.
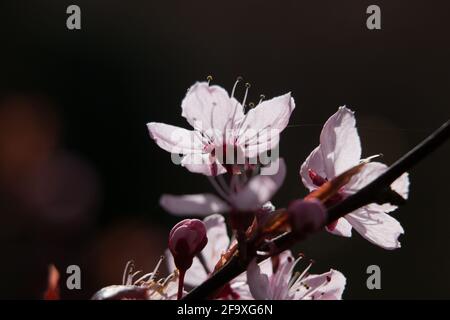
{"points": [[377, 191]]}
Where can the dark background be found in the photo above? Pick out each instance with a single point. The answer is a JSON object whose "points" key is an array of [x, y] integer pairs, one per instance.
{"points": [[80, 178]]}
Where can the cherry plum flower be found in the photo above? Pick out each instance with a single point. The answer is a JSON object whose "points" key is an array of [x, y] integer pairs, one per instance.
{"points": [[282, 284], [339, 150], [146, 287], [242, 195], [223, 134]]}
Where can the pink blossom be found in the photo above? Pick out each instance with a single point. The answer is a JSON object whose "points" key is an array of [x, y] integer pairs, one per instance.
{"points": [[222, 127], [267, 284], [239, 196], [339, 150]]}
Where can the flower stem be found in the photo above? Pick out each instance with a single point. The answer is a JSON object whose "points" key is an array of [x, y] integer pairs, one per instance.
{"points": [[180, 283]]}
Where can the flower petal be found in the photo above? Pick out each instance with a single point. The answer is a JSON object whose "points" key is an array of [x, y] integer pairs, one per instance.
{"points": [[330, 286], [342, 228], [370, 172], [340, 143], [210, 109], [376, 226], [401, 185], [202, 163], [263, 142], [265, 122], [261, 188], [315, 162], [195, 275], [218, 240], [258, 282], [193, 204], [175, 139]]}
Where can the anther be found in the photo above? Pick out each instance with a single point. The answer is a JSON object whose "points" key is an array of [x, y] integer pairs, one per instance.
{"points": [[238, 79], [209, 78], [261, 98], [251, 105]]}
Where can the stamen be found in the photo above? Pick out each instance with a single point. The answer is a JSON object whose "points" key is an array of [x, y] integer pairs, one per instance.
{"points": [[311, 262], [129, 267], [261, 98], [209, 78], [141, 279], [293, 279], [247, 86], [367, 160], [239, 79], [135, 274], [156, 268], [168, 279], [297, 275]]}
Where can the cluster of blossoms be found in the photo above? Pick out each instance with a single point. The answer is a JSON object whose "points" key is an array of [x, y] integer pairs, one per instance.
{"points": [[236, 146]]}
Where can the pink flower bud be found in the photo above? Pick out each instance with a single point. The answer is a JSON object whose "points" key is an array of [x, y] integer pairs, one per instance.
{"points": [[186, 239], [306, 216]]}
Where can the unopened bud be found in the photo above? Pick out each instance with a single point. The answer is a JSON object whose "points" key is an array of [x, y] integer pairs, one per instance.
{"points": [[186, 239], [306, 216]]}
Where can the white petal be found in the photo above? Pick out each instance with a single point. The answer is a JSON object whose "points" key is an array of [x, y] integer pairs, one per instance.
{"points": [[331, 286], [273, 113], [266, 121], [202, 163], [175, 139], [370, 172], [401, 185], [376, 226], [315, 162], [209, 108], [258, 282], [261, 188], [262, 143], [193, 204], [169, 261], [218, 240], [195, 275], [340, 143], [280, 280], [343, 228]]}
